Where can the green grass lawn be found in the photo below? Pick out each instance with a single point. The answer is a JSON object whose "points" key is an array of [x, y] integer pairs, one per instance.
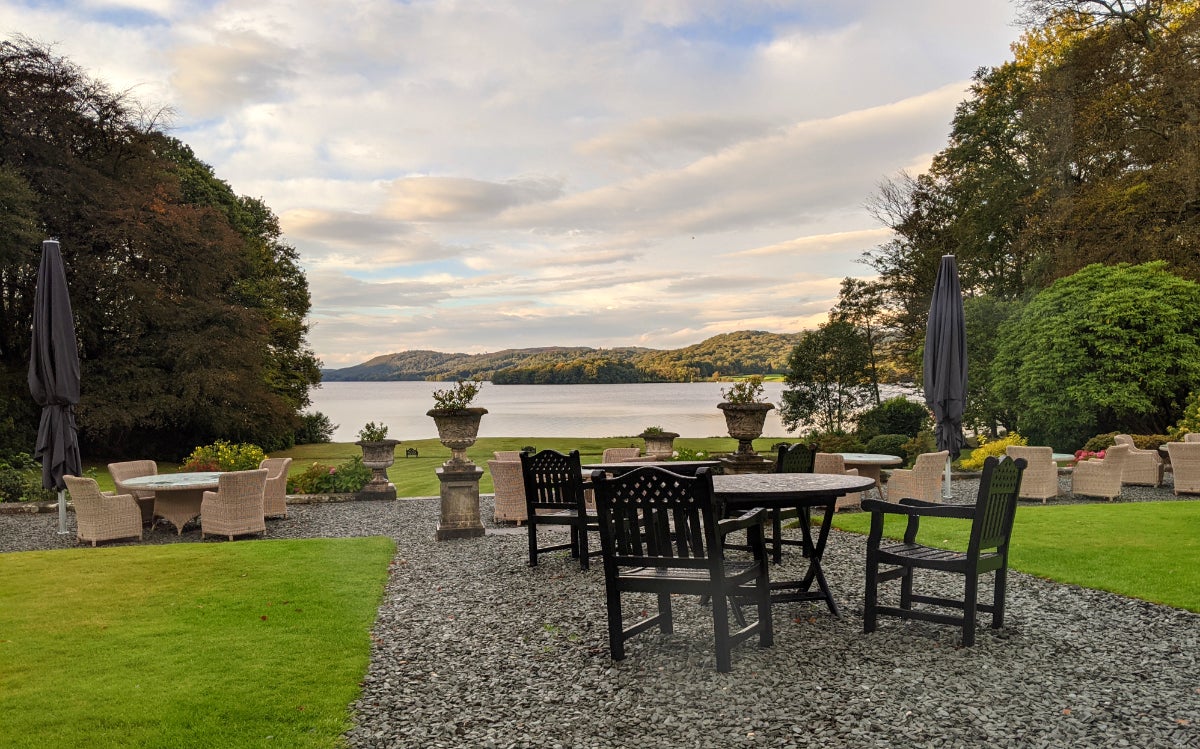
{"points": [[233, 644], [1146, 550]]}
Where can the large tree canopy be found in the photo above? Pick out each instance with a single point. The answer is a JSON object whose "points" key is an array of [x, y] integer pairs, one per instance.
{"points": [[190, 309], [1113, 347]]}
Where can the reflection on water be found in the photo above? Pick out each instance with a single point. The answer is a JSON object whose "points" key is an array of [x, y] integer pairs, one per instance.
{"points": [[539, 410]]}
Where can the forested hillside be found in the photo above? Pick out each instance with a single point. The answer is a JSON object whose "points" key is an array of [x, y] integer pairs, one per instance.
{"points": [[730, 354]]}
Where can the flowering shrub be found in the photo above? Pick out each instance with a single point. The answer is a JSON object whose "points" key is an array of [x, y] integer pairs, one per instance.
{"points": [[986, 449], [223, 456], [319, 478], [1088, 455]]}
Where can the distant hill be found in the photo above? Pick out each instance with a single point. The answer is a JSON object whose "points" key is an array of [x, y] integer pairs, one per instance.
{"points": [[730, 354]]}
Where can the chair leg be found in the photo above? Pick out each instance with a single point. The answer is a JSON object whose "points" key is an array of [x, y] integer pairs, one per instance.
{"points": [[666, 623], [776, 537], [1001, 583], [720, 610], [970, 600], [532, 544], [906, 586], [575, 543], [766, 627], [616, 631], [581, 545], [871, 596]]}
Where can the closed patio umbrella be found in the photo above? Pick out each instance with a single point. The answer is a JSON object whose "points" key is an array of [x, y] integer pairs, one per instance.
{"points": [[54, 376], [946, 363]]}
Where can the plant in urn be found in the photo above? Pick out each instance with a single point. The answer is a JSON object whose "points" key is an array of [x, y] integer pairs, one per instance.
{"points": [[379, 453], [457, 422], [745, 414]]}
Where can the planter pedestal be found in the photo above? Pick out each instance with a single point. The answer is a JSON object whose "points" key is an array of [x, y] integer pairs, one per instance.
{"points": [[378, 456], [459, 517], [736, 463]]}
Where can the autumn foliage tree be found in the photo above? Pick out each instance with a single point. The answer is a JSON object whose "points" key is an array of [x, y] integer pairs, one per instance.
{"points": [[190, 309]]}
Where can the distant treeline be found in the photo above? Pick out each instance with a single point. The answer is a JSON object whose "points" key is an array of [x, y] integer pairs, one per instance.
{"points": [[731, 354]]}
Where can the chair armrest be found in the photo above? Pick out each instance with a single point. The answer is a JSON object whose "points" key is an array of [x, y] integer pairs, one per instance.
{"points": [[755, 516], [917, 507]]}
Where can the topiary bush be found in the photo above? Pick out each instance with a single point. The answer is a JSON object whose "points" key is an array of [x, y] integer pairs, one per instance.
{"points": [[1100, 442], [889, 444], [223, 456], [897, 415], [989, 449]]}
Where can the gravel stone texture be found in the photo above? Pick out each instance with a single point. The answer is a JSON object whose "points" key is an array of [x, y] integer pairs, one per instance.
{"points": [[473, 648]]}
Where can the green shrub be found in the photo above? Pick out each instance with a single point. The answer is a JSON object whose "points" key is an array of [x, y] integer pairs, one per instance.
{"points": [[21, 480], [1100, 442], [889, 444], [223, 456], [896, 415], [314, 428], [350, 476], [835, 442], [1190, 421], [924, 442], [989, 449], [1140, 441]]}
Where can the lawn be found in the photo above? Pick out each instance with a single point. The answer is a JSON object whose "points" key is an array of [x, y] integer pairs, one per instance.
{"points": [[1146, 550], [233, 644]]}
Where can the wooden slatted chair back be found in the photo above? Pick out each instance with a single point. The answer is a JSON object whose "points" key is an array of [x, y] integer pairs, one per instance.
{"points": [[655, 518], [797, 458], [553, 481], [996, 504]]}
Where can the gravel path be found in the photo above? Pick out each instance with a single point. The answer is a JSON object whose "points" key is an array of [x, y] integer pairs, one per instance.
{"points": [[472, 648]]}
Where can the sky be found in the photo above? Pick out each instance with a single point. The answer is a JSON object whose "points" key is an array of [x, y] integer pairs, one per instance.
{"points": [[475, 176]]}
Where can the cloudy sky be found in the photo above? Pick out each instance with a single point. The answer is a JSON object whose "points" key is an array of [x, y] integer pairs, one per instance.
{"points": [[473, 176]]}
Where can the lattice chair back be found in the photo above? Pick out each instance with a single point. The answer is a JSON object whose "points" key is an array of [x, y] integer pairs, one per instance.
{"points": [[797, 458], [996, 503], [553, 481], [650, 515]]}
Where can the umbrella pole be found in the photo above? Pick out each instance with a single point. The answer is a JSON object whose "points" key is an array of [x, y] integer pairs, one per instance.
{"points": [[62, 513], [947, 492]]}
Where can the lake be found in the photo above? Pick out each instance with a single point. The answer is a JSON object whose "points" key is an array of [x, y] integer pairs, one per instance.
{"points": [[689, 408], [538, 410]]}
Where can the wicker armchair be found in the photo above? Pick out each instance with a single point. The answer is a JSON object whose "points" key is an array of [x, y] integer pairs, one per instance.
{"points": [[102, 517], [922, 481], [513, 455], [621, 454], [275, 496], [132, 469], [1185, 465], [1143, 467], [1191, 437], [509, 490], [1040, 479], [836, 464], [236, 507], [1101, 477]]}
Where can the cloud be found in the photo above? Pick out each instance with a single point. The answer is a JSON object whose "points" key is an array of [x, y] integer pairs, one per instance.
{"points": [[236, 69], [458, 199]]}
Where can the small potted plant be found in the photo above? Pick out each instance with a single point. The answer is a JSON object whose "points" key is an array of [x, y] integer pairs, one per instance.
{"points": [[457, 421], [379, 453], [660, 444], [745, 412]]}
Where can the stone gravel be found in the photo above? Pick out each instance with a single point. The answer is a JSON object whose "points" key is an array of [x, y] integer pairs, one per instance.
{"points": [[473, 648]]}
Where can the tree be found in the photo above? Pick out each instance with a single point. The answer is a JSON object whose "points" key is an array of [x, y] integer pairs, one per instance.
{"points": [[827, 379], [861, 303], [190, 310], [1110, 348], [984, 317]]}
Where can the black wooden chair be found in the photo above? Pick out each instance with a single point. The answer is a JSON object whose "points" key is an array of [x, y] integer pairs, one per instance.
{"points": [[661, 533], [798, 458], [987, 551], [554, 496]]}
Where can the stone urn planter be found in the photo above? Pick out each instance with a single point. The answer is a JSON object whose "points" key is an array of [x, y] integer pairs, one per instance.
{"points": [[660, 445], [457, 429], [745, 422], [379, 453]]}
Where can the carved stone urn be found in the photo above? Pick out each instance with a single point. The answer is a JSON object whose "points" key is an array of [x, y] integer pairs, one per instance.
{"points": [[379, 455], [457, 429], [745, 422], [659, 445]]}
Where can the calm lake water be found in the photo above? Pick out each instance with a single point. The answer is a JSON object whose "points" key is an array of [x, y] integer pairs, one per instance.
{"points": [[542, 410]]}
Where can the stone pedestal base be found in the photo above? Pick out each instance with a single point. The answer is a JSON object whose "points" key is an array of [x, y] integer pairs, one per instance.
{"points": [[741, 463], [460, 502], [383, 490]]}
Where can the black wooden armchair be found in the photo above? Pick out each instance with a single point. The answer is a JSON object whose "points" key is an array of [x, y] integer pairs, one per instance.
{"points": [[987, 551], [661, 533], [798, 458], [554, 496]]}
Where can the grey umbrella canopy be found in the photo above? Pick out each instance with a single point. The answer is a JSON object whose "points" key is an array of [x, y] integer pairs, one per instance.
{"points": [[54, 371], [946, 359]]}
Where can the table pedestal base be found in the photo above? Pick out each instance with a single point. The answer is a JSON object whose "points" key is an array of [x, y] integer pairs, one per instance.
{"points": [[178, 507]]}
